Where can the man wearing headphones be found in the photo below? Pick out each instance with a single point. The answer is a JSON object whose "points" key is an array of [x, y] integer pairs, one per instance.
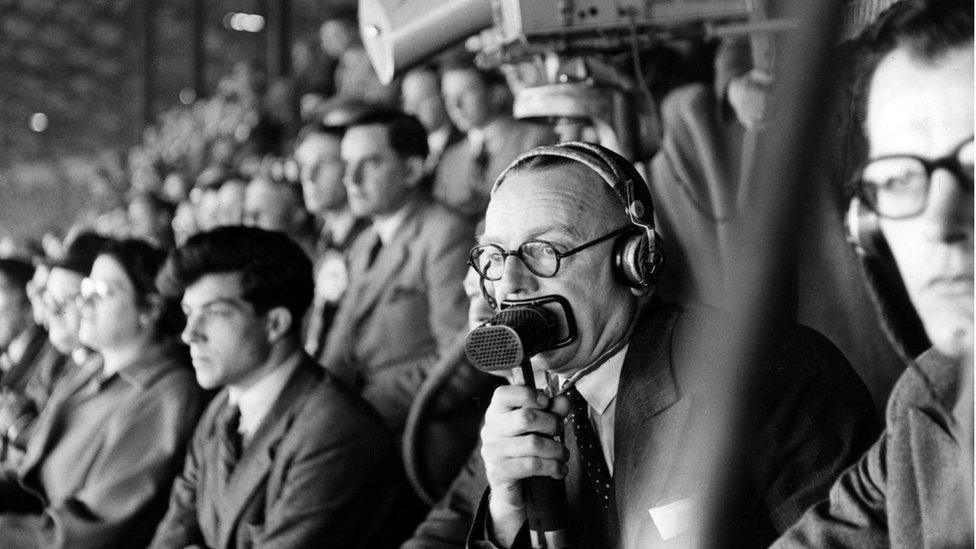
{"points": [[570, 229], [914, 209]]}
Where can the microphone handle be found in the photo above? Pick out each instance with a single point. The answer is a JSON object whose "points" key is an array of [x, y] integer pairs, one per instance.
{"points": [[545, 497]]}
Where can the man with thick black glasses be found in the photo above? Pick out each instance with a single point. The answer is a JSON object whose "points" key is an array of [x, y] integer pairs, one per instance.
{"points": [[914, 208], [569, 229]]}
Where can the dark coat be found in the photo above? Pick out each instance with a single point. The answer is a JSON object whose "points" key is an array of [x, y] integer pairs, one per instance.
{"points": [[912, 488], [805, 416], [319, 472]]}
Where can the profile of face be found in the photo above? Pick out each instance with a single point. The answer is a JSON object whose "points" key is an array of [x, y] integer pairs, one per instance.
{"points": [[420, 94], [925, 108], [62, 311], [228, 341], [110, 315], [377, 180], [466, 98], [271, 206], [230, 202], [15, 311], [567, 206], [320, 170]]}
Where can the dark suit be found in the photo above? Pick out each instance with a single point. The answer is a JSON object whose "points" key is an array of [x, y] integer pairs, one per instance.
{"points": [[103, 455], [402, 313], [319, 472], [911, 489], [806, 416], [463, 182], [32, 377]]}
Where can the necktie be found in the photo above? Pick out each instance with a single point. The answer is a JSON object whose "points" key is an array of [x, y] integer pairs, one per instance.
{"points": [[481, 162], [598, 484], [229, 438], [374, 251]]}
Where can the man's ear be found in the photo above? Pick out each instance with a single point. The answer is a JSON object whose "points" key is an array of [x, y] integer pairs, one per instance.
{"points": [[415, 171], [277, 321]]}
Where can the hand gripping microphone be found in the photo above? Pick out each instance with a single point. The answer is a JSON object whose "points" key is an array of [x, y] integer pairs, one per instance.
{"points": [[507, 341]]}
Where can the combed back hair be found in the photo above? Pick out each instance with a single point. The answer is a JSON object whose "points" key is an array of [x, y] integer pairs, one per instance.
{"points": [[926, 28], [548, 162], [141, 263], [17, 272], [274, 270], [406, 134]]}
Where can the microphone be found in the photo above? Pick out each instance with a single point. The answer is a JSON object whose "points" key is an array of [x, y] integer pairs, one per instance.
{"points": [[507, 341]]}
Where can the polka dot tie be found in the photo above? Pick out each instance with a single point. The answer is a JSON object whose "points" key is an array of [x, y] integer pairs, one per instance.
{"points": [[590, 452]]}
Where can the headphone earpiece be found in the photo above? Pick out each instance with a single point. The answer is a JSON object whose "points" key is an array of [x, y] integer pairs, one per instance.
{"points": [[864, 230]]}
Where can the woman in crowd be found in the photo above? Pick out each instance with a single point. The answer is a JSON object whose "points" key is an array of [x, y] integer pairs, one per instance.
{"points": [[105, 450]]}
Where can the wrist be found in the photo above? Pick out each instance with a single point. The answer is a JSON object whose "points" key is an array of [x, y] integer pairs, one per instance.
{"points": [[505, 518]]}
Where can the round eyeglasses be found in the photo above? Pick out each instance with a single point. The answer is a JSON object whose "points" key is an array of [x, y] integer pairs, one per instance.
{"points": [[897, 186], [540, 257]]}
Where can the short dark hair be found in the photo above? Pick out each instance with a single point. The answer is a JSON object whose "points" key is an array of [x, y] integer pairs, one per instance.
{"points": [[406, 134], [18, 272], [927, 28], [141, 262], [274, 270], [81, 252]]}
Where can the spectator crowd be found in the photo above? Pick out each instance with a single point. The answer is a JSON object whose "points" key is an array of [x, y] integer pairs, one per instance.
{"points": [[265, 345]]}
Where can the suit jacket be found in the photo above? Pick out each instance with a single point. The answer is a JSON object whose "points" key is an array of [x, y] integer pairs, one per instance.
{"points": [[805, 417], [699, 199], [103, 455], [458, 182], [913, 487], [33, 377], [398, 316], [319, 472]]}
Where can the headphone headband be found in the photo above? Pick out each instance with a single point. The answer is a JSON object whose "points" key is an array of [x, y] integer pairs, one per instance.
{"points": [[630, 188], [639, 259]]}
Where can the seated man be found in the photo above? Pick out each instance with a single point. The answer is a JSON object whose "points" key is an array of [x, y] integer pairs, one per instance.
{"points": [[320, 170], [641, 381], [284, 455], [29, 365], [405, 302], [914, 487]]}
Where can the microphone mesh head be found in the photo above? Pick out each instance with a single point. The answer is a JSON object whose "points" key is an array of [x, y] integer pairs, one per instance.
{"points": [[493, 348], [508, 338]]}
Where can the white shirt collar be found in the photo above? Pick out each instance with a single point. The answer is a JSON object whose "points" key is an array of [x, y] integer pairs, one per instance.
{"points": [[256, 401], [599, 387], [386, 226]]}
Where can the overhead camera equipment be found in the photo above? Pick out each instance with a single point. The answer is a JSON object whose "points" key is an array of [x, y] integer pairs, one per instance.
{"points": [[561, 57]]}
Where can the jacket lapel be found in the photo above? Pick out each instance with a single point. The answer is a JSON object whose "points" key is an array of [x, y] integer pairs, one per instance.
{"points": [[390, 261], [257, 458], [648, 405]]}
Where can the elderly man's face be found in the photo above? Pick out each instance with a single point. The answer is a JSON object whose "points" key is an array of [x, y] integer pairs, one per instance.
{"points": [[919, 108], [567, 206]]}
